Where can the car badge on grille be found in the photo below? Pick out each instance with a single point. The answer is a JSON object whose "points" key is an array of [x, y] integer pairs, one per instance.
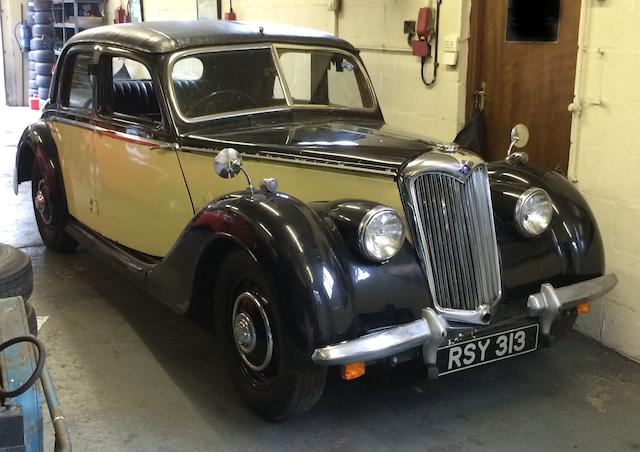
{"points": [[464, 169]]}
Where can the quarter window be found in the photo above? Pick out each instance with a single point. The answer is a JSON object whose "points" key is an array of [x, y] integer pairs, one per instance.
{"points": [[80, 90], [133, 91]]}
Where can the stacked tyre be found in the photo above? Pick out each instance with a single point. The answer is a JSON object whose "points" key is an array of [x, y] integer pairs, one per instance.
{"points": [[41, 56]]}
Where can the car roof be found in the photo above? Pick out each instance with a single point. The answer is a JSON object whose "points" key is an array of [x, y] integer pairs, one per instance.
{"points": [[169, 36]]}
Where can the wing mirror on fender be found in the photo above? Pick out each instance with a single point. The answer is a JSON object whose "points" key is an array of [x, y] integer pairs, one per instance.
{"points": [[228, 163], [519, 139]]}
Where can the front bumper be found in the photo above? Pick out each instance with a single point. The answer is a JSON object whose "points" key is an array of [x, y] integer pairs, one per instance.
{"points": [[430, 331]]}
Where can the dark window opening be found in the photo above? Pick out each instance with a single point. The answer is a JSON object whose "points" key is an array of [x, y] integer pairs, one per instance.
{"points": [[533, 21], [80, 89]]}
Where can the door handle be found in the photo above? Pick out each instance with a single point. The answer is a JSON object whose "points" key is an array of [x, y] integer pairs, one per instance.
{"points": [[166, 147]]}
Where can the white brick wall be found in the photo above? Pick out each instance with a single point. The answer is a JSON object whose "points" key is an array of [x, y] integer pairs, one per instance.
{"points": [[606, 161]]}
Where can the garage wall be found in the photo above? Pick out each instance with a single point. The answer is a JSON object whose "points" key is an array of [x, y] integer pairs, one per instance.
{"points": [[606, 160], [376, 27]]}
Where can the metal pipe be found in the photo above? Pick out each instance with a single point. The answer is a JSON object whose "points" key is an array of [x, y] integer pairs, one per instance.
{"points": [[576, 106], [63, 440]]}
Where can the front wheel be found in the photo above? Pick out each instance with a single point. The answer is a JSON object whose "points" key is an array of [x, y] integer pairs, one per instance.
{"points": [[270, 375]]}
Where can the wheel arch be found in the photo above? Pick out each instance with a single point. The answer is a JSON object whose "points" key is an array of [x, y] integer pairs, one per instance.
{"points": [[289, 242], [37, 143]]}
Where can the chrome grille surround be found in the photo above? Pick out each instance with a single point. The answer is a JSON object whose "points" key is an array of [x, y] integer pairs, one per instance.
{"points": [[447, 200]]}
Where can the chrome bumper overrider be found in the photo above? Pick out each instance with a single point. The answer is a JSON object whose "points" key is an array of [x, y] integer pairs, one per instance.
{"points": [[430, 331], [548, 303]]}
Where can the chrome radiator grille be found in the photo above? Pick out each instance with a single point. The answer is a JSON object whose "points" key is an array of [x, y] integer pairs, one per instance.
{"points": [[455, 227]]}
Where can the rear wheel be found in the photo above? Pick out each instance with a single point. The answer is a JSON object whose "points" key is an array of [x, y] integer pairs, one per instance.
{"points": [[270, 375], [50, 211]]}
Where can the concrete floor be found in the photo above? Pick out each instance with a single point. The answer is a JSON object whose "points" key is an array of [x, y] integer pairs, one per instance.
{"points": [[132, 376]]}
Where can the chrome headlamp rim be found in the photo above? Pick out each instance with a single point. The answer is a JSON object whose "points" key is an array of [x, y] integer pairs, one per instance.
{"points": [[364, 224], [518, 213]]}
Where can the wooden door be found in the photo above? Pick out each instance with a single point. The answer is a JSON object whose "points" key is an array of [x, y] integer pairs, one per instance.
{"points": [[529, 81]]}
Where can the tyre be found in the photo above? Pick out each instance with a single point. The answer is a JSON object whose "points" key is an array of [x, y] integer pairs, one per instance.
{"points": [[32, 67], [42, 81], [43, 69], [33, 91], [270, 375], [30, 20], [41, 44], [16, 274], [43, 93], [43, 17], [50, 211], [29, 6], [31, 318], [42, 56], [40, 31], [42, 5], [33, 84], [32, 75]]}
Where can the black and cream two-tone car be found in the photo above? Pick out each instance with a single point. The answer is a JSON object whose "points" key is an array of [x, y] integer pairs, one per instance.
{"points": [[330, 238]]}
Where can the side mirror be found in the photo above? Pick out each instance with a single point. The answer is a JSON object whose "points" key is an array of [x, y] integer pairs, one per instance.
{"points": [[228, 163], [519, 136], [519, 139]]}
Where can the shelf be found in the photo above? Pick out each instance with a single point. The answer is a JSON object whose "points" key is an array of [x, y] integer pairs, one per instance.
{"points": [[71, 2], [72, 25]]}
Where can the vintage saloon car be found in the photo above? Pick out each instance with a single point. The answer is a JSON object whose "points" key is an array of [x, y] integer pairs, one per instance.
{"points": [[354, 244]]}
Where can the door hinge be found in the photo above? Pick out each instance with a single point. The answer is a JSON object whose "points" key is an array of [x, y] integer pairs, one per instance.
{"points": [[93, 206]]}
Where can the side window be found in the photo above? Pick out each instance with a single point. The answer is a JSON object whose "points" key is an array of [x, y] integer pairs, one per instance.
{"points": [[133, 92], [80, 88]]}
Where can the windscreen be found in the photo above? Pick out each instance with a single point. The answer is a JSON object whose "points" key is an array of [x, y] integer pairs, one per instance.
{"points": [[207, 84], [221, 82]]}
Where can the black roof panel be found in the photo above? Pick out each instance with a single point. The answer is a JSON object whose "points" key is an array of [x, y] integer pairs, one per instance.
{"points": [[168, 36]]}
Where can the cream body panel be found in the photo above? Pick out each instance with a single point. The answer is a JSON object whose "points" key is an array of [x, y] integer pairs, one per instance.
{"points": [[77, 160], [307, 183], [204, 184], [142, 197]]}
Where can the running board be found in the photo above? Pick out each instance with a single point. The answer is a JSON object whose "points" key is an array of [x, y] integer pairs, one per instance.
{"points": [[119, 257]]}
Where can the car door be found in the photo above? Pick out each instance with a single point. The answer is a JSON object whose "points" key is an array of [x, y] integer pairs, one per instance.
{"points": [[74, 134], [142, 196]]}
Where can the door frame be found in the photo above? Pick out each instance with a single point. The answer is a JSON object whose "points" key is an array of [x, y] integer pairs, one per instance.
{"points": [[478, 8]]}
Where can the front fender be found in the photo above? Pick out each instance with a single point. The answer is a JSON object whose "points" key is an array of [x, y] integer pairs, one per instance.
{"points": [[570, 251], [327, 293], [285, 237]]}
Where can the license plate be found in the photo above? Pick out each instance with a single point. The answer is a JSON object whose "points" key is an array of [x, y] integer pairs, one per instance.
{"points": [[486, 349]]}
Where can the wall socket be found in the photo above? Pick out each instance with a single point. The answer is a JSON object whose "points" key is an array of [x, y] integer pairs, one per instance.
{"points": [[409, 26]]}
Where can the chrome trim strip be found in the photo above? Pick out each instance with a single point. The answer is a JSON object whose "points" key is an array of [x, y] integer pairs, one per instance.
{"points": [[549, 302], [103, 130], [296, 160], [285, 87]]}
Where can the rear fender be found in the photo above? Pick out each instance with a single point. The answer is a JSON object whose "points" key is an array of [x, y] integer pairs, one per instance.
{"points": [[37, 145]]}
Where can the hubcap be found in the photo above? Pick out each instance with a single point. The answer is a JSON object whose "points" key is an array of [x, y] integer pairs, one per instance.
{"points": [[252, 331], [244, 333], [41, 204]]}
